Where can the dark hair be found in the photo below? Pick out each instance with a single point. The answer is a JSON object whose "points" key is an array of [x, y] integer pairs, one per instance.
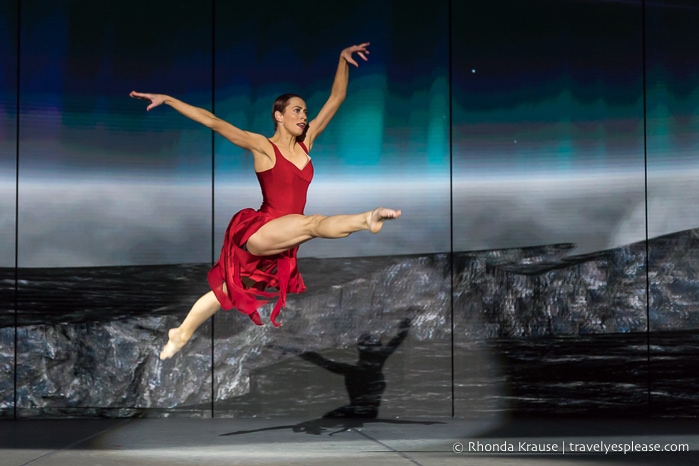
{"points": [[280, 105]]}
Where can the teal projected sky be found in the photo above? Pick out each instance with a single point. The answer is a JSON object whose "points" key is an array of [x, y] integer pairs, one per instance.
{"points": [[525, 120]]}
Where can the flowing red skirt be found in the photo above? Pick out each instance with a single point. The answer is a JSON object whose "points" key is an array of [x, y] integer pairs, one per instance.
{"points": [[252, 281]]}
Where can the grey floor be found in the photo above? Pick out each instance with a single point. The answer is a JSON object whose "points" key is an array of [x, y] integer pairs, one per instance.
{"points": [[386, 442]]}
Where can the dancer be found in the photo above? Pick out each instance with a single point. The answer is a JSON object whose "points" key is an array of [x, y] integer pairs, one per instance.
{"points": [[260, 246]]}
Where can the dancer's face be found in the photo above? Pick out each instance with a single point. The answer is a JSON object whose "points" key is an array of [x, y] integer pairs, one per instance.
{"points": [[295, 116]]}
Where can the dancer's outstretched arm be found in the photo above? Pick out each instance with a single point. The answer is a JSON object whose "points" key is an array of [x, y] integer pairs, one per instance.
{"points": [[337, 93], [244, 139]]}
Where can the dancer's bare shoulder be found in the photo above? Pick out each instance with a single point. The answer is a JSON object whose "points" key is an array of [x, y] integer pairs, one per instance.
{"points": [[244, 139], [264, 156], [257, 144]]}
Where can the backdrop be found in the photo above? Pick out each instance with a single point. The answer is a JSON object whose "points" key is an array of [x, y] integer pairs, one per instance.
{"points": [[543, 154]]}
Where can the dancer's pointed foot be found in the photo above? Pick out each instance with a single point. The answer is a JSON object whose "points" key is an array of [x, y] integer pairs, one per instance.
{"points": [[175, 343], [376, 217]]}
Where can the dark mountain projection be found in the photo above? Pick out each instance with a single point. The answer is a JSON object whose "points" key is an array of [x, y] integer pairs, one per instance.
{"points": [[95, 332]]}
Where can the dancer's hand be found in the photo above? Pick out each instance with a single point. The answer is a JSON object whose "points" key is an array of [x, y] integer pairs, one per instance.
{"points": [[154, 99], [360, 50]]}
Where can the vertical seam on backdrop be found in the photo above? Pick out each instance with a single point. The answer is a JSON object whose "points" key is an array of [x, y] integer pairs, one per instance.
{"points": [[645, 191], [213, 174], [16, 271], [451, 203]]}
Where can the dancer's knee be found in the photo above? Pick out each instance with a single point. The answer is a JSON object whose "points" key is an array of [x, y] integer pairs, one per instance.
{"points": [[313, 224]]}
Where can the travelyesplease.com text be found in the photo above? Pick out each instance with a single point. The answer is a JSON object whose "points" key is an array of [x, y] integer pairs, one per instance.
{"points": [[563, 447]]}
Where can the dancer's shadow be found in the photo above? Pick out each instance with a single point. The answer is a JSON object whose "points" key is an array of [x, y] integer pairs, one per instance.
{"points": [[364, 381], [365, 385], [320, 426]]}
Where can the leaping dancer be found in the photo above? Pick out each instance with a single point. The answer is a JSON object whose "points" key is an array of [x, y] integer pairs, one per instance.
{"points": [[260, 246]]}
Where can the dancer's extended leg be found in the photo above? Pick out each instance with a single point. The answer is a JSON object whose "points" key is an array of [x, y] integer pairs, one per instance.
{"points": [[205, 307], [286, 232]]}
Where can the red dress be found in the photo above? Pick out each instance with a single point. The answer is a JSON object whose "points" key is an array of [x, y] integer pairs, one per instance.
{"points": [[284, 189]]}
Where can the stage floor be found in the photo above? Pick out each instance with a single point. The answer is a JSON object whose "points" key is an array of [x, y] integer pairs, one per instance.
{"points": [[337, 442]]}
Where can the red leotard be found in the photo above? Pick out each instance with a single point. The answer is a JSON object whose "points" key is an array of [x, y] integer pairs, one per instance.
{"points": [[284, 188]]}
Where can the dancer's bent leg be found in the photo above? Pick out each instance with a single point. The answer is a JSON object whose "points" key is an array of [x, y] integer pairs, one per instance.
{"points": [[205, 307], [286, 232]]}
